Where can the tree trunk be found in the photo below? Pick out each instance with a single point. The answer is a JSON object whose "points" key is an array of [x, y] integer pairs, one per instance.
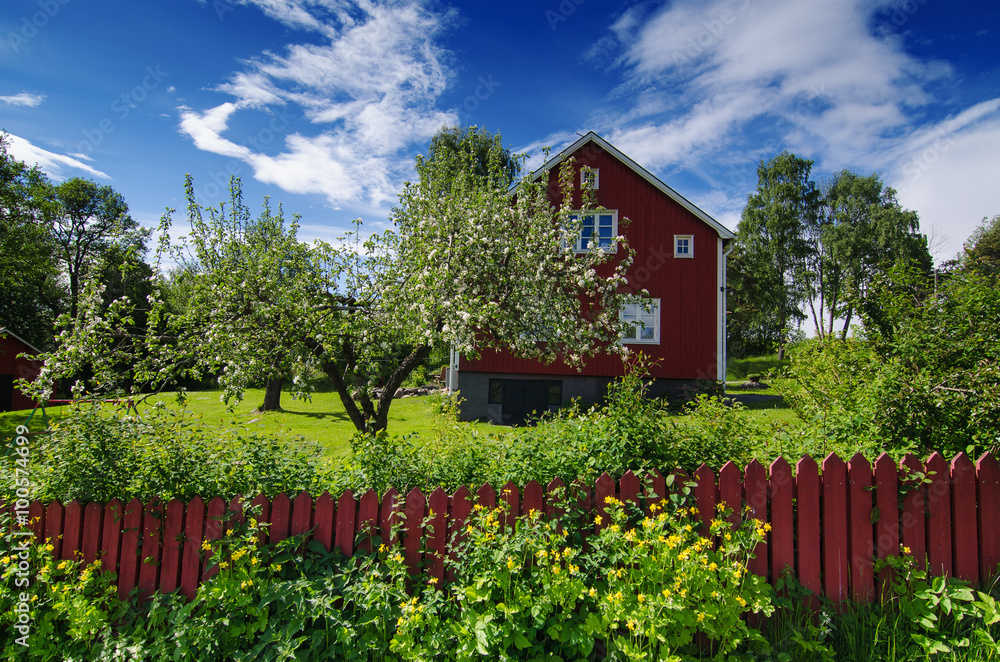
{"points": [[272, 395]]}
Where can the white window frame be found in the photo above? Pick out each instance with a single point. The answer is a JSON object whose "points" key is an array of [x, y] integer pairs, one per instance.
{"points": [[578, 240], [690, 245], [590, 178], [636, 314]]}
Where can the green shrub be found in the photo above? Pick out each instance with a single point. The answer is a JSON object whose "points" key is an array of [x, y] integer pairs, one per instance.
{"points": [[97, 455]]}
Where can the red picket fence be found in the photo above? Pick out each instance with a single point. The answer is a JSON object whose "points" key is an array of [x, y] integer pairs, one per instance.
{"points": [[829, 522]]}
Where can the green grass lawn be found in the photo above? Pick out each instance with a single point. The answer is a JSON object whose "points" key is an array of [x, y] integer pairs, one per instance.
{"points": [[322, 420]]}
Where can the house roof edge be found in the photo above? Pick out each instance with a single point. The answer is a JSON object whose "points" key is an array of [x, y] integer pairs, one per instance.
{"points": [[720, 229]]}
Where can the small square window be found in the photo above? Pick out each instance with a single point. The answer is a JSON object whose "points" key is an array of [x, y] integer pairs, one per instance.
{"points": [[589, 178], [683, 245]]}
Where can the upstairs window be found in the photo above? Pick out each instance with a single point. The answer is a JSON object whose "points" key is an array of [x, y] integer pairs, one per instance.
{"points": [[683, 245], [643, 320], [589, 178], [598, 229]]}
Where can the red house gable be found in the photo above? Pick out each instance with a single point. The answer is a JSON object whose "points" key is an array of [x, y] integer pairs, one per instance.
{"points": [[679, 261]]}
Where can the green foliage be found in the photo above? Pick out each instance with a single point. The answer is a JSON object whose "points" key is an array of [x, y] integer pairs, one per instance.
{"points": [[30, 292], [97, 455]]}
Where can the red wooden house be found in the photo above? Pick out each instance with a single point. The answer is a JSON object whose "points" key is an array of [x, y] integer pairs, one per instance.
{"points": [[680, 260], [12, 367]]}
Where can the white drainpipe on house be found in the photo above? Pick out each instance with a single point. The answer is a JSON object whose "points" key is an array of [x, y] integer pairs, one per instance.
{"points": [[722, 311], [452, 371]]}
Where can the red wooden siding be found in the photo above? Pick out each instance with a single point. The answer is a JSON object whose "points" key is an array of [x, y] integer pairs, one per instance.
{"points": [[688, 289], [822, 527], [19, 368]]}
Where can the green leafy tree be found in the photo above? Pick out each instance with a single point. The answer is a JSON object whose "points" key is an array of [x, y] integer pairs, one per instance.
{"points": [[31, 297], [466, 265], [91, 229], [864, 231], [982, 250], [772, 274]]}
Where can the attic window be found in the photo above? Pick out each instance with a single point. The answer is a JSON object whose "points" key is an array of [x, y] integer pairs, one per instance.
{"points": [[589, 178], [599, 229], [683, 245]]}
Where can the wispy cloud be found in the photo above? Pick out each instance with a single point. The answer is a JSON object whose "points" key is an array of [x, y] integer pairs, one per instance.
{"points": [[370, 88], [713, 87], [26, 99], [52, 163]]}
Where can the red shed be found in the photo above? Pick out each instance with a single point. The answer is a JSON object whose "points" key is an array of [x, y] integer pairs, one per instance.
{"points": [[680, 260], [12, 367]]}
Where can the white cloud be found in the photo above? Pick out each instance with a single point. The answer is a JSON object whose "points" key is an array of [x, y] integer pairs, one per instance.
{"points": [[50, 162], [948, 172], [370, 89], [24, 99], [713, 87]]}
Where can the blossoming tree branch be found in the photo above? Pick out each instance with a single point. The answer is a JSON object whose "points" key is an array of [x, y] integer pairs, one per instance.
{"points": [[471, 262]]}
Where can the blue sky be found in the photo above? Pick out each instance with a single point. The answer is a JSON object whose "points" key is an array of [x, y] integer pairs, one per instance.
{"points": [[322, 104]]}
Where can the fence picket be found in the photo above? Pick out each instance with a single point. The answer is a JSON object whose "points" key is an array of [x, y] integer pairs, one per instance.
{"points": [[302, 515], [389, 515], [173, 531], [782, 519], [807, 519], [704, 497], [533, 498], [111, 536], [194, 525], [859, 499], [90, 546], [939, 516], [655, 489], [836, 553], [555, 493], [755, 494], [149, 564], [281, 516], [914, 521], [346, 513], [54, 527], [437, 535], [731, 491], [413, 525], [72, 531], [367, 521], [461, 507], [988, 492], [628, 489], [510, 495], [323, 520], [887, 527], [128, 567], [604, 489], [965, 537], [213, 532]]}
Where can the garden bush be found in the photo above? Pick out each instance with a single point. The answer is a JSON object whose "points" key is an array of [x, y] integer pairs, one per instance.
{"points": [[98, 454]]}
